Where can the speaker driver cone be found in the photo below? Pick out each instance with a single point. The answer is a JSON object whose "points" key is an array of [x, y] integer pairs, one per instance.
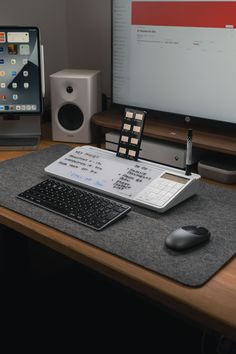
{"points": [[70, 117]]}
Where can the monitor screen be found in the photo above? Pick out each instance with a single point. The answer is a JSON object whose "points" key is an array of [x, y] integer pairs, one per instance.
{"points": [[20, 76], [176, 56]]}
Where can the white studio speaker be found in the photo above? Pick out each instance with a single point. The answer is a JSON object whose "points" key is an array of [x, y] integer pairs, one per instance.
{"points": [[75, 97]]}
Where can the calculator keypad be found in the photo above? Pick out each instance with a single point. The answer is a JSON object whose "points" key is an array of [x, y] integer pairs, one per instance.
{"points": [[159, 192]]}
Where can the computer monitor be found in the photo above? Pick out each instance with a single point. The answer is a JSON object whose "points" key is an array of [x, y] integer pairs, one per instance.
{"points": [[176, 56], [20, 86]]}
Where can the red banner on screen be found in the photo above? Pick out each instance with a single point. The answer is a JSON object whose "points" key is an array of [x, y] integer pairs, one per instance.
{"points": [[217, 14]]}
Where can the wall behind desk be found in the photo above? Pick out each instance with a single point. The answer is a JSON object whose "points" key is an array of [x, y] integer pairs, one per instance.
{"points": [[89, 31]]}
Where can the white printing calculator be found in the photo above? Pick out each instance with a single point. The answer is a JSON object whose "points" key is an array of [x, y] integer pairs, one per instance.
{"points": [[151, 185]]}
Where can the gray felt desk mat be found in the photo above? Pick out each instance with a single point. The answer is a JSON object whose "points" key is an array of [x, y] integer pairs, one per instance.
{"points": [[139, 237]]}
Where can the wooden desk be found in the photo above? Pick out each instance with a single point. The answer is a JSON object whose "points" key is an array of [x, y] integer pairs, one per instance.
{"points": [[212, 305]]}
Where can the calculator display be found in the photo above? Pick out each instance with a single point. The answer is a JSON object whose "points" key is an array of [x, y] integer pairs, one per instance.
{"points": [[175, 178]]}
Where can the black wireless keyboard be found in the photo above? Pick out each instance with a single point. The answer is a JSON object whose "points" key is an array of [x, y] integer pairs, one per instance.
{"points": [[75, 203]]}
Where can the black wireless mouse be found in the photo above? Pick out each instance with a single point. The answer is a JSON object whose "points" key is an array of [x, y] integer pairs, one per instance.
{"points": [[187, 237]]}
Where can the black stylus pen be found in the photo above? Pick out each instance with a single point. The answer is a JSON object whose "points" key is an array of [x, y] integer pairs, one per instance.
{"points": [[189, 152]]}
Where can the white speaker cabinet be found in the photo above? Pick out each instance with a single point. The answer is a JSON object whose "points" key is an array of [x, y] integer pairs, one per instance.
{"points": [[75, 97]]}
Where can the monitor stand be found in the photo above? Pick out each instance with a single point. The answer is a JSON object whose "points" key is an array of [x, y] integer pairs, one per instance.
{"points": [[19, 132]]}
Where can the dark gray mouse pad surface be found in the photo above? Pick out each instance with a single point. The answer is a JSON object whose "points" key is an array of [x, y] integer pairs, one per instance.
{"points": [[139, 237]]}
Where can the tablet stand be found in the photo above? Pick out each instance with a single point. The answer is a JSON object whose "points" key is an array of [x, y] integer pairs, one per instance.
{"points": [[19, 132]]}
